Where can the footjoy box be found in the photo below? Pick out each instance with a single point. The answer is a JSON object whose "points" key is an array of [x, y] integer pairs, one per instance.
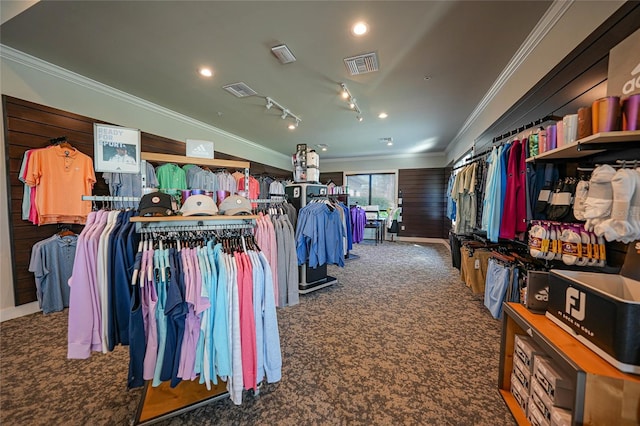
{"points": [[600, 310]]}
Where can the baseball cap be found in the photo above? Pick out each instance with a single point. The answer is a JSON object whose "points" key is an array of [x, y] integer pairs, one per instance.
{"points": [[235, 205], [199, 205], [156, 203]]}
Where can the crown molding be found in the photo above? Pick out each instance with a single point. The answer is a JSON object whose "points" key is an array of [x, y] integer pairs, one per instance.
{"points": [[542, 28], [384, 157], [10, 54]]}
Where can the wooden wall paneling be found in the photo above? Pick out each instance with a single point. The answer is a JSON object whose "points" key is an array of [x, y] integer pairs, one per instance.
{"points": [[577, 72], [336, 177], [27, 126], [423, 206]]}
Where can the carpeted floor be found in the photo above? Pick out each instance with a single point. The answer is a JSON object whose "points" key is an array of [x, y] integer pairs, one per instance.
{"points": [[399, 340]]}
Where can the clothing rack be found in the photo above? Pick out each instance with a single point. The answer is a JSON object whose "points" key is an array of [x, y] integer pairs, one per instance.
{"points": [[192, 228], [108, 198], [58, 140], [163, 402], [525, 127]]}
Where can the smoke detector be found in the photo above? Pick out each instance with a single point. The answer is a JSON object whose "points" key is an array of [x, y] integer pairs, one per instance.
{"points": [[240, 90], [362, 64]]}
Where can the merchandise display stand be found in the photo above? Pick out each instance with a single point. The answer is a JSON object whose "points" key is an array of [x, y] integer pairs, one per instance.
{"points": [[309, 279], [162, 402], [603, 394]]}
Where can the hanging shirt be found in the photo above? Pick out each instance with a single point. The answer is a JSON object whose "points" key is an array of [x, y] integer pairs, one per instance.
{"points": [[62, 176]]}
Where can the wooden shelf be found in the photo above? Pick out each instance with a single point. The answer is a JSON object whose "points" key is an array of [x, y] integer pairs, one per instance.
{"points": [[603, 394], [583, 357], [181, 159], [145, 219], [573, 149], [514, 407]]}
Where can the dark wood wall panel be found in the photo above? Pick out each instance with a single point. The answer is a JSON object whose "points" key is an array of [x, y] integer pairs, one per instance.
{"points": [[28, 125], [335, 177], [570, 85], [423, 203]]}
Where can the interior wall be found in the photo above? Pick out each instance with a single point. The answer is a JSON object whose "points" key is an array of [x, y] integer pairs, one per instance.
{"points": [[423, 203], [29, 125], [366, 164], [28, 78], [574, 25]]}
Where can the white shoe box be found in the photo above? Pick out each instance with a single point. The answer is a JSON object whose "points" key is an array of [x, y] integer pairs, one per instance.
{"points": [[535, 417], [560, 417], [539, 399], [522, 373], [519, 393], [525, 349], [554, 384]]}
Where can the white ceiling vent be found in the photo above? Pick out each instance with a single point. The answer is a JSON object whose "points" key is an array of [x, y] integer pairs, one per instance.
{"points": [[240, 90], [284, 55], [362, 64]]}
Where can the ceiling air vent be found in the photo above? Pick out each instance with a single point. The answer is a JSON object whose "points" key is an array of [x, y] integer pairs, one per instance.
{"points": [[284, 55], [362, 64], [240, 90]]}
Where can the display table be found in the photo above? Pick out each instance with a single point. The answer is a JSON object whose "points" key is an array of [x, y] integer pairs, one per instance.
{"points": [[379, 226], [603, 394]]}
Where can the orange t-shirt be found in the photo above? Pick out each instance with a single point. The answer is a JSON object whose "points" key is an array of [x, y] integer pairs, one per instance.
{"points": [[62, 176]]}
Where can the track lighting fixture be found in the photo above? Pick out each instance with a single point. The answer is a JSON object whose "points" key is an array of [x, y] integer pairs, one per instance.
{"points": [[285, 112], [353, 104]]}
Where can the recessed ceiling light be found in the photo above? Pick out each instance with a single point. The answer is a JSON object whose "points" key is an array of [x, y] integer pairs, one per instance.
{"points": [[360, 28], [427, 77], [322, 146], [292, 126], [205, 72], [383, 115], [389, 143]]}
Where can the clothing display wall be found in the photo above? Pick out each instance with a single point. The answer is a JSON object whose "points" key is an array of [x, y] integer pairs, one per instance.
{"points": [[55, 180]]}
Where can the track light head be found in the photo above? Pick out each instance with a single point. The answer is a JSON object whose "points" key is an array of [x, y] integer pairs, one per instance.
{"points": [[360, 118], [285, 113], [269, 103]]}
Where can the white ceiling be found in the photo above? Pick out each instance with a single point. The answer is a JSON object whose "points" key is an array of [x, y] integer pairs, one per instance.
{"points": [[153, 49]]}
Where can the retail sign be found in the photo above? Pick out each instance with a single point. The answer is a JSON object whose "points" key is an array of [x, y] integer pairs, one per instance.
{"points": [[116, 149], [624, 67], [200, 149]]}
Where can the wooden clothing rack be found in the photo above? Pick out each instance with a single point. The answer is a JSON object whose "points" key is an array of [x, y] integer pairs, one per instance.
{"points": [[162, 402]]}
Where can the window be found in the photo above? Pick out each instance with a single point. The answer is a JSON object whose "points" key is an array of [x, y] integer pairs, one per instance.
{"points": [[372, 189]]}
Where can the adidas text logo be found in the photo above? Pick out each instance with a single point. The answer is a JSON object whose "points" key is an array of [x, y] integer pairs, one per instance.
{"points": [[634, 83], [200, 148]]}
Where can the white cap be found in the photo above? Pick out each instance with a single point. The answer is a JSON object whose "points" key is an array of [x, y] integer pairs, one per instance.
{"points": [[199, 205], [235, 205]]}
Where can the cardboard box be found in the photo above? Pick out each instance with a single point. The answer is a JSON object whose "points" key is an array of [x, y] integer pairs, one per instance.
{"points": [[535, 417], [554, 384], [560, 417], [539, 399], [525, 349], [522, 373], [519, 393]]}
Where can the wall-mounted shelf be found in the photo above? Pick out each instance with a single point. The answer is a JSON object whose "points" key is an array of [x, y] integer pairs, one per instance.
{"points": [[179, 219], [181, 159], [580, 148]]}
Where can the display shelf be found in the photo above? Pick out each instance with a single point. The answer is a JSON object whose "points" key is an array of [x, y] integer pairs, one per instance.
{"points": [[603, 394], [181, 159], [163, 402], [515, 409], [178, 219], [580, 148]]}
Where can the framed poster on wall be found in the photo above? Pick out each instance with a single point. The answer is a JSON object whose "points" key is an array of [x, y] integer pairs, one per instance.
{"points": [[116, 149]]}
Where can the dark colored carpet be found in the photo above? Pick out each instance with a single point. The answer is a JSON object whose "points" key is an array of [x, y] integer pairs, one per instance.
{"points": [[399, 340]]}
